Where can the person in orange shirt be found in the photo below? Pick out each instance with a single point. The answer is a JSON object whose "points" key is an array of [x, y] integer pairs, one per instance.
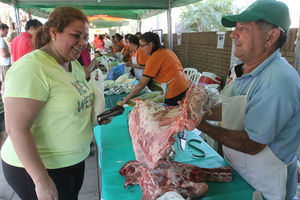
{"points": [[127, 51], [118, 45], [165, 67], [96, 41], [139, 58]]}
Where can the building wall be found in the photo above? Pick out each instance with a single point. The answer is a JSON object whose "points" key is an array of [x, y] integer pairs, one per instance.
{"points": [[199, 50]]}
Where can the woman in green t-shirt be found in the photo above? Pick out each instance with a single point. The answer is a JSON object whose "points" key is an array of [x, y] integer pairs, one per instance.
{"points": [[48, 106]]}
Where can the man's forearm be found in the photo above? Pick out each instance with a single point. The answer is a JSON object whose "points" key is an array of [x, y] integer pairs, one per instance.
{"points": [[238, 140]]}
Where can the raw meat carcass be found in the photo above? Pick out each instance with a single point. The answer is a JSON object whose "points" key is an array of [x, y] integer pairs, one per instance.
{"points": [[185, 179], [152, 125]]}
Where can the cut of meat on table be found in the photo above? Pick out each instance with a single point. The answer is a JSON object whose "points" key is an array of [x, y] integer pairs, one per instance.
{"points": [[185, 179], [152, 125]]}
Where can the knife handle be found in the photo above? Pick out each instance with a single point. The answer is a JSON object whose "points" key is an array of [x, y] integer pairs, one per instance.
{"points": [[182, 134]]}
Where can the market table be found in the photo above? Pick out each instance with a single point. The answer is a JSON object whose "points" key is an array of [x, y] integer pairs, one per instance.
{"points": [[115, 149], [112, 100]]}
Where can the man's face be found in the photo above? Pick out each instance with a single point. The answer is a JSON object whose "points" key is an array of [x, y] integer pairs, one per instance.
{"points": [[3, 32], [249, 41]]}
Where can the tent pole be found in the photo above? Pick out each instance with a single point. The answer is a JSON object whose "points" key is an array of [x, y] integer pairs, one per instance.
{"points": [[138, 24], [17, 17], [170, 34]]}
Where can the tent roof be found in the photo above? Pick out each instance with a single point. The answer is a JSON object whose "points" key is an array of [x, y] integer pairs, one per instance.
{"points": [[129, 9]]}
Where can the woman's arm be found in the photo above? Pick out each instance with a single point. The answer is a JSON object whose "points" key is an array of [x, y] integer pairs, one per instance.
{"points": [[20, 114], [137, 89], [88, 70]]}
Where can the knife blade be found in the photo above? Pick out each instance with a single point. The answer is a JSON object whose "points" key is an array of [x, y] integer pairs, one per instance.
{"points": [[179, 145], [182, 137]]}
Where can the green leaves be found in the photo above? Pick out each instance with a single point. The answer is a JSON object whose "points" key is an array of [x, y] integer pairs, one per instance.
{"points": [[206, 15]]}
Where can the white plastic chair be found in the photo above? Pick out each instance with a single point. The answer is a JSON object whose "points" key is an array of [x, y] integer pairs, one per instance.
{"points": [[195, 77], [188, 71]]}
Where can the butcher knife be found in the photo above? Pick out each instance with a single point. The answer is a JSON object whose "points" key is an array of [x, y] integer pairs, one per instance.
{"points": [[182, 137], [115, 111]]}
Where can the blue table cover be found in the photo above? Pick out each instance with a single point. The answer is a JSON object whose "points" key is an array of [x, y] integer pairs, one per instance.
{"points": [[115, 149]]}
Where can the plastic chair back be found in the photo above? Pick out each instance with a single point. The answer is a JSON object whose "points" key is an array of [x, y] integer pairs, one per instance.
{"points": [[195, 77], [188, 71]]}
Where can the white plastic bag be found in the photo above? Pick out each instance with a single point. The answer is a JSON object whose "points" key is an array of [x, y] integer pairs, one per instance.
{"points": [[97, 84], [171, 196]]}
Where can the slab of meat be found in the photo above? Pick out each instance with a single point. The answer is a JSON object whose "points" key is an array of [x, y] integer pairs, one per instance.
{"points": [[185, 179], [152, 125]]}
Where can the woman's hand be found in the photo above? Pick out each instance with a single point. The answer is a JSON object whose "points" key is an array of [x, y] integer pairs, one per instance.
{"points": [[93, 66], [128, 64], [107, 121], [46, 190]]}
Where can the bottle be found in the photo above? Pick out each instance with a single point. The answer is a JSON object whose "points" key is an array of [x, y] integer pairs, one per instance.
{"points": [[116, 63], [108, 65], [111, 64]]}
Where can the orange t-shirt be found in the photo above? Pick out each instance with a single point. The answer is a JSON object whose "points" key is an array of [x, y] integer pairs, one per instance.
{"points": [[141, 57], [126, 47], [164, 66], [96, 42], [120, 44]]}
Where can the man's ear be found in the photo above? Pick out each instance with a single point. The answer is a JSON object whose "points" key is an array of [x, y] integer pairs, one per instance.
{"points": [[272, 36]]}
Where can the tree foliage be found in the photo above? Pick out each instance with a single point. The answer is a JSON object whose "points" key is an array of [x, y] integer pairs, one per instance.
{"points": [[205, 15]]}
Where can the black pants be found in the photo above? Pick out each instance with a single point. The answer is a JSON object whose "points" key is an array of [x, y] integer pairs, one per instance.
{"points": [[68, 181], [174, 101]]}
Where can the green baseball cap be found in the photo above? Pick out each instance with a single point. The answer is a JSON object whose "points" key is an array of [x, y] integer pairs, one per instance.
{"points": [[274, 12]]}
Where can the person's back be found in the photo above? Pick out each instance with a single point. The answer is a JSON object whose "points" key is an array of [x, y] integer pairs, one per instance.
{"points": [[21, 45]]}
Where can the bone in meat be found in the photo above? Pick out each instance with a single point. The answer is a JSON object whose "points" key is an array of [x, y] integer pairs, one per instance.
{"points": [[185, 179], [152, 125]]}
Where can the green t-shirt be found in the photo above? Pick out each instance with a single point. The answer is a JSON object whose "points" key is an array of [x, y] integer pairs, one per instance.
{"points": [[63, 129]]}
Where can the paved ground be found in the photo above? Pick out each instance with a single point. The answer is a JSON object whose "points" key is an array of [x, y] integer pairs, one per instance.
{"points": [[91, 185]]}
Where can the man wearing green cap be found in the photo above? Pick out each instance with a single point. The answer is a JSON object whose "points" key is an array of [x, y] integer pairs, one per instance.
{"points": [[260, 109]]}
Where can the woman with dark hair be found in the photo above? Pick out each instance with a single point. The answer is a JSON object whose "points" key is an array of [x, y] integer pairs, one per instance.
{"points": [[49, 105], [126, 51], [118, 45], [164, 67], [139, 58]]}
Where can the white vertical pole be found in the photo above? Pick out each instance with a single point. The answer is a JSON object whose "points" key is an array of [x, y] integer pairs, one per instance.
{"points": [[17, 17], [170, 34]]}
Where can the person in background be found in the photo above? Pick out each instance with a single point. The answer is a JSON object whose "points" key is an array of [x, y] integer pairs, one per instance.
{"points": [[3, 134], [260, 110], [107, 42], [22, 44], [5, 61], [164, 67], [85, 61], [48, 112], [102, 42], [126, 51], [139, 58], [96, 42], [9, 38], [118, 45], [138, 34]]}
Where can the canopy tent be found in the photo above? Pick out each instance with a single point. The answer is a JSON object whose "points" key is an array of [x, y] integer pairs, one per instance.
{"points": [[129, 9]]}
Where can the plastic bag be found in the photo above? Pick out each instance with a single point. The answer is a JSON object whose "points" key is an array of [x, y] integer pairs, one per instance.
{"points": [[115, 72], [171, 196], [97, 83]]}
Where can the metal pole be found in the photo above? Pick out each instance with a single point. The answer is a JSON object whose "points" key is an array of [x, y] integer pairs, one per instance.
{"points": [[138, 24], [17, 17], [170, 34]]}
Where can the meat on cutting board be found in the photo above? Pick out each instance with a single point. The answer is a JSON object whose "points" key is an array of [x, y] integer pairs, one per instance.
{"points": [[152, 125], [185, 179]]}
